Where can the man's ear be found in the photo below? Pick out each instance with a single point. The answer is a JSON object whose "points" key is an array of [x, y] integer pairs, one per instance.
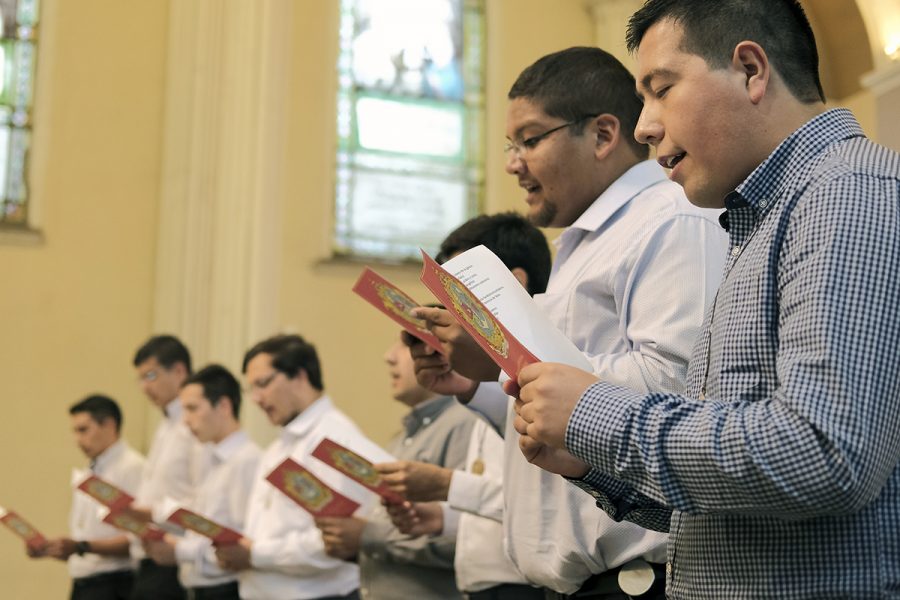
{"points": [[751, 61], [521, 276], [606, 129]]}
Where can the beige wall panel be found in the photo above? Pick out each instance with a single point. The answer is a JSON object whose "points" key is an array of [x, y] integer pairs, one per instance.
{"points": [[74, 307]]}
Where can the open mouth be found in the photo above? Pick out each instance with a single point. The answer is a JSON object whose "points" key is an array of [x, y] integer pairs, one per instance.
{"points": [[669, 162], [529, 187]]}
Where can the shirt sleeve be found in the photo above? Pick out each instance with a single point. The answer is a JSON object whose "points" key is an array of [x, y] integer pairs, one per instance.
{"points": [[663, 294], [477, 494], [299, 554], [380, 537], [492, 403], [824, 441]]}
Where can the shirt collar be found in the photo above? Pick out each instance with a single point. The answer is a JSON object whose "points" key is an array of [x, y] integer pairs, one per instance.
{"points": [[231, 444], [425, 413], [108, 456], [173, 410], [770, 179], [635, 180], [303, 423]]}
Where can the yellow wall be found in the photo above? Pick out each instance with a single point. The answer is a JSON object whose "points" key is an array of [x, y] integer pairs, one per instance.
{"points": [[73, 307]]}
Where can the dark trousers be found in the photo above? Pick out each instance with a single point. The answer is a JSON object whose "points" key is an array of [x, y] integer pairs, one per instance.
{"points": [[226, 591], [508, 591], [105, 586], [155, 582]]}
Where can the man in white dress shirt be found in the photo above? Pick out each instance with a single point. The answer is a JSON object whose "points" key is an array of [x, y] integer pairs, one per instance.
{"points": [[282, 556], [176, 461], [635, 269], [97, 553], [468, 502], [211, 402]]}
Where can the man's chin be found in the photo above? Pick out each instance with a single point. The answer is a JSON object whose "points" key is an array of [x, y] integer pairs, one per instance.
{"points": [[543, 214]]}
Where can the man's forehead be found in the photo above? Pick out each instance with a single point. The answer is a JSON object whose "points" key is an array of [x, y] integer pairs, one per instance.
{"points": [[523, 113]]}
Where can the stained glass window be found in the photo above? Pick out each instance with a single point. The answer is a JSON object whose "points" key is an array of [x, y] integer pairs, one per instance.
{"points": [[410, 119], [17, 56]]}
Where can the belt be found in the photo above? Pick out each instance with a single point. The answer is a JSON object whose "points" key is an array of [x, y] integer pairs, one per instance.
{"points": [[635, 579], [224, 591], [99, 578]]}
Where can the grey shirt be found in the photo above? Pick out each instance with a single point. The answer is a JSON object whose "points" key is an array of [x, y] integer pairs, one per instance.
{"points": [[393, 565]]}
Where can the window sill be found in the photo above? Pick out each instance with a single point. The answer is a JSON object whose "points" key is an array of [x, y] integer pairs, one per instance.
{"points": [[17, 236]]}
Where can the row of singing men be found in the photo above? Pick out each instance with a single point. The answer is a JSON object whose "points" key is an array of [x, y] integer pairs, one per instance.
{"points": [[761, 442]]}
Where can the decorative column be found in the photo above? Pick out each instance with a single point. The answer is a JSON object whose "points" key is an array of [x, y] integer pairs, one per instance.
{"points": [[222, 169]]}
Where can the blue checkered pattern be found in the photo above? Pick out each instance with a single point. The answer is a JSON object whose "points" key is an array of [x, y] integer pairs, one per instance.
{"points": [[784, 481]]}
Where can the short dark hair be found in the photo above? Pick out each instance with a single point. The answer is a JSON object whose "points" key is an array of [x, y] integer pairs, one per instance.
{"points": [[100, 408], [168, 350], [713, 29], [290, 355], [218, 382], [512, 238], [583, 81]]}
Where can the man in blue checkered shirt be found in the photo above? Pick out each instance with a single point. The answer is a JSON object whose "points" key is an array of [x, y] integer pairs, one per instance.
{"points": [[779, 466]]}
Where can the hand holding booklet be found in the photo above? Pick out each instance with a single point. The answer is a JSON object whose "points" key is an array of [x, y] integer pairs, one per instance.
{"points": [[22, 528], [110, 496], [395, 303], [493, 307], [133, 523], [354, 466], [297, 483], [188, 519]]}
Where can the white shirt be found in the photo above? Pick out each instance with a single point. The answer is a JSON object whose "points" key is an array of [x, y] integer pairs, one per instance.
{"points": [[221, 496], [122, 467], [629, 286], [481, 561], [176, 463], [287, 553]]}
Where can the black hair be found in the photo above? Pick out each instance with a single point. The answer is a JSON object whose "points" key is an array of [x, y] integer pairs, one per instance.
{"points": [[218, 382], [512, 238], [583, 81], [290, 355], [100, 408], [166, 349], [712, 29]]}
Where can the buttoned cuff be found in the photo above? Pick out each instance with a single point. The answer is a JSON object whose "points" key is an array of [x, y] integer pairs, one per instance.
{"points": [[597, 424], [451, 521]]}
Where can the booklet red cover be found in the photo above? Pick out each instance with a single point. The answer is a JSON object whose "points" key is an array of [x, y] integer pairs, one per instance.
{"points": [[395, 303], [22, 528], [127, 521], [355, 467], [219, 534], [106, 493], [300, 485], [478, 321]]}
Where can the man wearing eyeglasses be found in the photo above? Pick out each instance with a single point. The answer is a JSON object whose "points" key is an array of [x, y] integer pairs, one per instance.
{"points": [[176, 461], [635, 268], [282, 556]]}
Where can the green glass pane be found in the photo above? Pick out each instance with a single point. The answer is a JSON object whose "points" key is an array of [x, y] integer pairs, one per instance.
{"points": [[7, 66], [409, 127], [24, 73], [5, 138], [18, 148], [28, 12]]}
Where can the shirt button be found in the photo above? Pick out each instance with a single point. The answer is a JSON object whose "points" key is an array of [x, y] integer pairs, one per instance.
{"points": [[763, 203], [668, 569], [407, 441], [426, 421], [736, 251]]}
